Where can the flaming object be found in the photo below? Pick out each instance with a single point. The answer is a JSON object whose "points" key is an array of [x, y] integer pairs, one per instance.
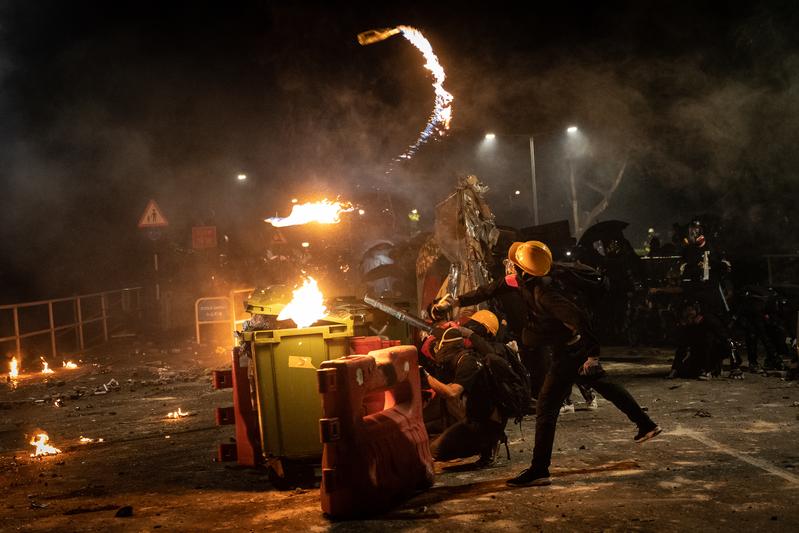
{"points": [[307, 306], [439, 120], [13, 369], [323, 212], [46, 367], [89, 440], [70, 365], [177, 414], [40, 441]]}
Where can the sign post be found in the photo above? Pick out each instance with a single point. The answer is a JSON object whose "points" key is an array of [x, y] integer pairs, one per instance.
{"points": [[213, 310], [152, 220]]}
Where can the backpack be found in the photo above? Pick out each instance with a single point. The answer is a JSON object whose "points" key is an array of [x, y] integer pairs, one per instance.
{"points": [[585, 286], [509, 382]]}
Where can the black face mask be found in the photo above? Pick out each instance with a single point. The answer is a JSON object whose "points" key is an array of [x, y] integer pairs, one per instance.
{"points": [[478, 328]]}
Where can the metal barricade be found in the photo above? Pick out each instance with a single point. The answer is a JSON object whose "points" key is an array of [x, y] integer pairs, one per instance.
{"points": [[72, 313]]}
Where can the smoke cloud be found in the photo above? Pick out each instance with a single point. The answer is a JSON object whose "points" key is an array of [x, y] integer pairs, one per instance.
{"points": [[105, 107]]}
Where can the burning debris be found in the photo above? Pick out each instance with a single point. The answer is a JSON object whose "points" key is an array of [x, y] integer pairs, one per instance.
{"points": [[322, 212], [178, 414], [89, 440], [69, 365], [46, 367], [438, 123], [307, 306], [13, 369], [40, 441]]}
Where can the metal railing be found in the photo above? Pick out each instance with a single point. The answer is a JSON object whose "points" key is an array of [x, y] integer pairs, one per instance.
{"points": [[97, 308]]}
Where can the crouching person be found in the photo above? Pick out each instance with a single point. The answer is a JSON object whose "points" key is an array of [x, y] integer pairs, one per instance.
{"points": [[462, 376]]}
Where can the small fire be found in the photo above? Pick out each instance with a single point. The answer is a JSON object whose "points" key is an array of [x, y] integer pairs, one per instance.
{"points": [[307, 306], [70, 365], [46, 367], [322, 212], [89, 440], [177, 414], [40, 440], [13, 369]]}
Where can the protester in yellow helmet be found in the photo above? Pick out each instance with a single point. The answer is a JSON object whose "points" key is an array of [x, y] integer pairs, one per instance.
{"points": [[556, 321]]}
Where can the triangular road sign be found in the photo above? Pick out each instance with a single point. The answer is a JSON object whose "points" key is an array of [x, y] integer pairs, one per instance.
{"points": [[152, 216]]}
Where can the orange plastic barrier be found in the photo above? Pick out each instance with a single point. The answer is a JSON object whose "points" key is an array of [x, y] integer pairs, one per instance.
{"points": [[376, 448], [247, 450]]}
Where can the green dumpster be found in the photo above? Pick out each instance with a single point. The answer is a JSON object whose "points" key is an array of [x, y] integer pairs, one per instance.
{"points": [[285, 363]]}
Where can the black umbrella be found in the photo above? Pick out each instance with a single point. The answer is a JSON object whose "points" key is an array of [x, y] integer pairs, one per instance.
{"points": [[605, 231]]}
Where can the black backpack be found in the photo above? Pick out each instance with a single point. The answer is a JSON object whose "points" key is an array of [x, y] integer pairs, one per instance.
{"points": [[509, 382], [584, 285]]}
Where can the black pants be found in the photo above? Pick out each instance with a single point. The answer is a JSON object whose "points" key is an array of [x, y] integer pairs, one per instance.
{"points": [[557, 385], [466, 438]]}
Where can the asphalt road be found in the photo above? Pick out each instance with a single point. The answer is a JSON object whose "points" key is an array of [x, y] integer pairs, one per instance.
{"points": [[728, 458]]}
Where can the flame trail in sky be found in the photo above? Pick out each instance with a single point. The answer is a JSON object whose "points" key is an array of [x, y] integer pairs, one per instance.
{"points": [[438, 124], [323, 212]]}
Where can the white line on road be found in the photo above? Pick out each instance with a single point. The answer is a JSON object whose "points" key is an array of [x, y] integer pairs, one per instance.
{"points": [[754, 461]]}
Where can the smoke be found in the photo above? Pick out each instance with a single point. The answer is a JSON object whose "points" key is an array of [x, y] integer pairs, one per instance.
{"points": [[107, 107]]}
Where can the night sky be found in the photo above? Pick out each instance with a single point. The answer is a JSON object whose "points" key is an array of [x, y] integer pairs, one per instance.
{"points": [[105, 105]]}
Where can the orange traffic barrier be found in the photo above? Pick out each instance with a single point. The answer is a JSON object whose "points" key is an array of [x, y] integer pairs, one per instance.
{"points": [[376, 449], [247, 450]]}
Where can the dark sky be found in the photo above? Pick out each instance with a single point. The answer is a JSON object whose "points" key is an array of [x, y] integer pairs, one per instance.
{"points": [[107, 104]]}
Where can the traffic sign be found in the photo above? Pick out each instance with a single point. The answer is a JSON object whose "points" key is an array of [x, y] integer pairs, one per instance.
{"points": [[203, 237], [152, 216]]}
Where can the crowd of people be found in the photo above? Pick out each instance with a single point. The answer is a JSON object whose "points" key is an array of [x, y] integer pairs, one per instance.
{"points": [[685, 294], [539, 336]]}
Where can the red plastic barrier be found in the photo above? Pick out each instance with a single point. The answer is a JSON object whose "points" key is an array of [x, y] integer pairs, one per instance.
{"points": [[365, 344], [376, 448]]}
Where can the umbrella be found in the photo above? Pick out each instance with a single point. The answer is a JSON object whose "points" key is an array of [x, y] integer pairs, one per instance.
{"points": [[603, 231]]}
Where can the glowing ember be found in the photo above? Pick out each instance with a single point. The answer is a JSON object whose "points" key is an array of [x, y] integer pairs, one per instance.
{"points": [[88, 440], [46, 367], [70, 365], [307, 306], [40, 440], [439, 121], [177, 414], [13, 369], [323, 212]]}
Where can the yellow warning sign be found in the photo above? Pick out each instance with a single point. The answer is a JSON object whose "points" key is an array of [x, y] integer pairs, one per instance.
{"points": [[152, 216]]}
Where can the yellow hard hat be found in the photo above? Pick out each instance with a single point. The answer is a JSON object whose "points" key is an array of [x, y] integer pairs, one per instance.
{"points": [[533, 257], [487, 319], [512, 250]]}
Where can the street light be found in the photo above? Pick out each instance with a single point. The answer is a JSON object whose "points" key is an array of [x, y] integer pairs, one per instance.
{"points": [[571, 131], [241, 177], [492, 136]]}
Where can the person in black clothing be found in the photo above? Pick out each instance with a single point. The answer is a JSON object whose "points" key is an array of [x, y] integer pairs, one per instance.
{"points": [[703, 271], [462, 375], [556, 321]]}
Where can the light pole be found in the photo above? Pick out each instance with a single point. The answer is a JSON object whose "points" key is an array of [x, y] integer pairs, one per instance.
{"points": [[534, 187], [571, 131]]}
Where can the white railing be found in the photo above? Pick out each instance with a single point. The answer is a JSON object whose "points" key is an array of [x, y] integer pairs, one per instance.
{"points": [[84, 311]]}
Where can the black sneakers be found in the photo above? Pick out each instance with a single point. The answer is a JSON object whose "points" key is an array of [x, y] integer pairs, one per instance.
{"points": [[531, 478], [647, 433]]}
